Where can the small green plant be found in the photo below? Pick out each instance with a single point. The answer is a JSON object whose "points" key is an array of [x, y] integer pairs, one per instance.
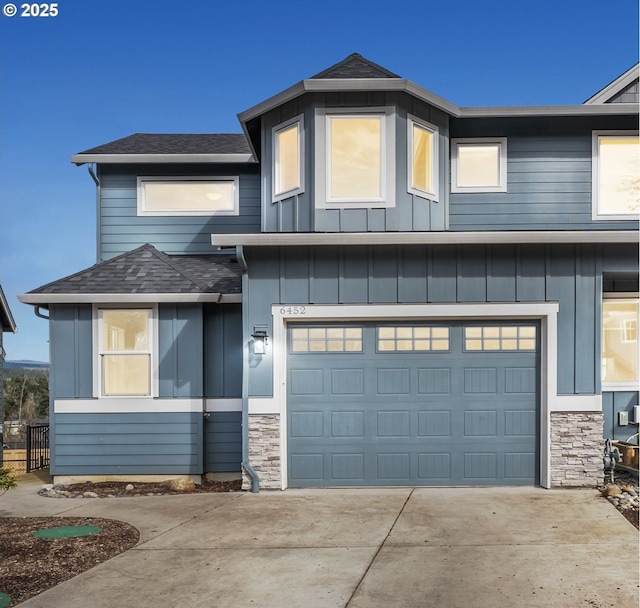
{"points": [[7, 480]]}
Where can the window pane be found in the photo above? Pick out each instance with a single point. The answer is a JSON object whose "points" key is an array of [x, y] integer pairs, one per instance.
{"points": [[126, 375], [478, 165], [125, 330], [288, 161], [422, 159], [167, 196], [618, 175], [620, 341], [355, 157]]}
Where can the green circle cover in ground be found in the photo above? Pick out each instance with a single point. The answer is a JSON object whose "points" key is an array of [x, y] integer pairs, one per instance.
{"points": [[5, 600], [67, 531]]}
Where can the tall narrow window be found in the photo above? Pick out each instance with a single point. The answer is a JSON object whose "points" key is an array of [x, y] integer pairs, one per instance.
{"points": [[479, 165], [125, 352], [423, 159], [620, 341], [287, 158], [616, 176]]}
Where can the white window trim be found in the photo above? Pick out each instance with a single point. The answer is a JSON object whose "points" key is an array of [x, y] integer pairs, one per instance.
{"points": [[620, 386], [97, 349], [143, 179], [278, 196], [388, 158], [435, 156], [502, 169], [596, 215]]}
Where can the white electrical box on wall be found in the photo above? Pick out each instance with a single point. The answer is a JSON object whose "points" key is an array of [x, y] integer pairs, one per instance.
{"points": [[636, 414]]}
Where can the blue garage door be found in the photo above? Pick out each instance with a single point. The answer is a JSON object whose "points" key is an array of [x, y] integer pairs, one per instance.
{"points": [[424, 404]]}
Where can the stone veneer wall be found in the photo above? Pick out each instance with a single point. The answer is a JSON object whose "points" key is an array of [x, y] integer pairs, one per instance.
{"points": [[264, 451], [576, 449]]}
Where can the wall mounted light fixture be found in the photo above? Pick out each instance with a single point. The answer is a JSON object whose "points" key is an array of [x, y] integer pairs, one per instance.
{"points": [[260, 339]]}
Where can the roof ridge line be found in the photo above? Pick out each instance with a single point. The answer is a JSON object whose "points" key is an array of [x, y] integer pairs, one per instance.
{"points": [[169, 261]]}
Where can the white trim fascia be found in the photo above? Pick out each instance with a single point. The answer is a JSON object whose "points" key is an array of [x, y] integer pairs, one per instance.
{"points": [[80, 159], [264, 405], [223, 405], [502, 164], [424, 238], [124, 298], [576, 403], [232, 298], [546, 312], [524, 111], [615, 87], [124, 405], [613, 387]]}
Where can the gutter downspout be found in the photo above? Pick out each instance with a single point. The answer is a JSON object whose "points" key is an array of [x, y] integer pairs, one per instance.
{"points": [[255, 480], [94, 177], [36, 310]]}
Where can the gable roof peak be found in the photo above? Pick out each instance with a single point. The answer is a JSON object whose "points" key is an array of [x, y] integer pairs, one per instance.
{"points": [[355, 66]]}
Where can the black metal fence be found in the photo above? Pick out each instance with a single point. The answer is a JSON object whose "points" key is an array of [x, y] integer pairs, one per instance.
{"points": [[37, 447]]}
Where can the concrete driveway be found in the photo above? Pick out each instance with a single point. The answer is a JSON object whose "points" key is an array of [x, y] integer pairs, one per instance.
{"points": [[373, 548]]}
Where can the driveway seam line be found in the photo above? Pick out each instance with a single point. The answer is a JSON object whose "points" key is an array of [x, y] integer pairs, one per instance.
{"points": [[373, 559]]}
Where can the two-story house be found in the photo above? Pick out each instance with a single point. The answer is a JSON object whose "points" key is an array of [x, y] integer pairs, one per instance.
{"points": [[7, 324], [369, 286]]}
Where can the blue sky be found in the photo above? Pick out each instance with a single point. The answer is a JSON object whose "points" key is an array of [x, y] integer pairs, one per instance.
{"points": [[101, 70]]}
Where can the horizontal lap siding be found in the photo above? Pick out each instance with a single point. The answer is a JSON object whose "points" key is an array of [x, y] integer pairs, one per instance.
{"points": [[568, 274], [121, 230], [223, 442], [127, 444]]}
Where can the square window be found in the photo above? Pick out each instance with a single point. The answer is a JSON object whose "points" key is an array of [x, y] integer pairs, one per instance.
{"points": [[175, 196], [615, 177], [423, 158], [355, 157], [479, 165], [288, 147]]}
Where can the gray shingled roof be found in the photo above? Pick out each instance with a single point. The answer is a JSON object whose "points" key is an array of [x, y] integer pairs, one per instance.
{"points": [[174, 143], [355, 66], [148, 271]]}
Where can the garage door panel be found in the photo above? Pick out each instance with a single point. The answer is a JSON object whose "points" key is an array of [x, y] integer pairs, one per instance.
{"points": [[413, 418]]}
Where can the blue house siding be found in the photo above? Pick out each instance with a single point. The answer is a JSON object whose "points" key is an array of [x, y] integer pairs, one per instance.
{"points": [[568, 274], [298, 213], [223, 442], [121, 230], [612, 404], [128, 444], [223, 350], [548, 176]]}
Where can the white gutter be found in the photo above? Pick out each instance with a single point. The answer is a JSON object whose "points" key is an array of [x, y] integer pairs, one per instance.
{"points": [[425, 238], [40, 299], [80, 159]]}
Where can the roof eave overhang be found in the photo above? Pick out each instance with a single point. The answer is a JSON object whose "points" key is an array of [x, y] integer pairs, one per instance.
{"points": [[615, 87], [534, 111], [81, 159], [424, 238], [44, 299], [7, 323]]}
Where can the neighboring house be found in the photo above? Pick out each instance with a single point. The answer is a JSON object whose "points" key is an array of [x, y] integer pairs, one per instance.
{"points": [[7, 324], [369, 286]]}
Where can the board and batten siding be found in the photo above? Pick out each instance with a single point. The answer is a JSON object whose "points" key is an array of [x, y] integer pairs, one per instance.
{"points": [[299, 213], [549, 171], [120, 229], [568, 274], [612, 404], [193, 363]]}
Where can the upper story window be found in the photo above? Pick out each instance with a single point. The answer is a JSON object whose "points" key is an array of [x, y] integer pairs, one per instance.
{"points": [[479, 165], [423, 158], [615, 177], [170, 196], [125, 352], [288, 146], [355, 157]]}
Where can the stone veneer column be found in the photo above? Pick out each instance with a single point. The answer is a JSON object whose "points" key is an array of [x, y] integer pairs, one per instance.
{"points": [[576, 449], [264, 451]]}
